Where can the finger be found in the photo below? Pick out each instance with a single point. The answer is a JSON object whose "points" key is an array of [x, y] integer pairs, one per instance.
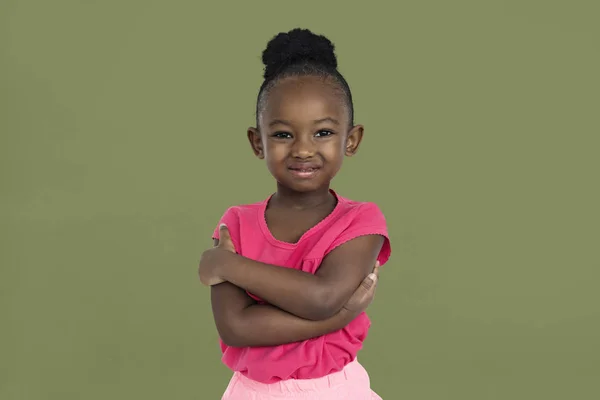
{"points": [[223, 234], [376, 269], [369, 282], [369, 288], [377, 265]]}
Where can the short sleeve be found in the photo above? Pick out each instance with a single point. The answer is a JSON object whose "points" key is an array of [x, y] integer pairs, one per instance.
{"points": [[367, 220], [231, 219]]}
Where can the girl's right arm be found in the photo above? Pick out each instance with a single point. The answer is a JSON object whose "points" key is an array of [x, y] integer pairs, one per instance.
{"points": [[241, 322]]}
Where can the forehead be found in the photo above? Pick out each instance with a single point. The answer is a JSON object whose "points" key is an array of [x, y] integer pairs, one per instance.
{"points": [[304, 99]]}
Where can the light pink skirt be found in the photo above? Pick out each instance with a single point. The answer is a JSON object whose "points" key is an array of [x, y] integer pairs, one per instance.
{"points": [[351, 383]]}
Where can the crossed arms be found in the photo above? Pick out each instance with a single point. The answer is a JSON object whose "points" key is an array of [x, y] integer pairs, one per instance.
{"points": [[300, 305]]}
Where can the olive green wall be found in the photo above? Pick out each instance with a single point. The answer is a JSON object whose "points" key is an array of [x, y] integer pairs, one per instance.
{"points": [[122, 140]]}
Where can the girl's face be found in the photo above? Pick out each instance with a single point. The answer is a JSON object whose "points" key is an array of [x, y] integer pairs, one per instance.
{"points": [[304, 133]]}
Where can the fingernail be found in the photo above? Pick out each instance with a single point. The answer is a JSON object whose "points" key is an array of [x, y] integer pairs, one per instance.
{"points": [[222, 226], [372, 277]]}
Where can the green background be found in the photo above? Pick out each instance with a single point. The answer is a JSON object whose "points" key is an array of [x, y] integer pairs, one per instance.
{"points": [[123, 141]]}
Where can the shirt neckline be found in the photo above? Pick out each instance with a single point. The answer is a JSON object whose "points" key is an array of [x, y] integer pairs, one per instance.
{"points": [[262, 220]]}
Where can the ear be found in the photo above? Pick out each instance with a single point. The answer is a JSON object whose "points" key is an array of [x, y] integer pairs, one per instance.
{"points": [[353, 140], [256, 142]]}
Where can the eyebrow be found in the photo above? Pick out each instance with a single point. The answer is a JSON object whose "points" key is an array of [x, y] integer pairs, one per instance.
{"points": [[315, 122]]}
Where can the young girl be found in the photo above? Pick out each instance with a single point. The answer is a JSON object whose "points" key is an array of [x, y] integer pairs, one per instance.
{"points": [[291, 275]]}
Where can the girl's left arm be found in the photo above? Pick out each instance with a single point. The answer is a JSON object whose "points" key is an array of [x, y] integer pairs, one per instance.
{"points": [[315, 297]]}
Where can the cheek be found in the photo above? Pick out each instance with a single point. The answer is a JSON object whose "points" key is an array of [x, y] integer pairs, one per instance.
{"points": [[334, 151], [275, 151]]}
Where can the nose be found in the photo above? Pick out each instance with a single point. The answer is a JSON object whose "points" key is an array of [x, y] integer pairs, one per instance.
{"points": [[303, 147]]}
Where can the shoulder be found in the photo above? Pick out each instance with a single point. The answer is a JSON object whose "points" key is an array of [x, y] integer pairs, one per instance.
{"points": [[242, 210], [360, 218], [357, 214], [236, 216]]}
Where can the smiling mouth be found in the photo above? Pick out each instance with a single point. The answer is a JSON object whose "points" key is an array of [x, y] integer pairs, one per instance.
{"points": [[304, 169], [308, 172]]}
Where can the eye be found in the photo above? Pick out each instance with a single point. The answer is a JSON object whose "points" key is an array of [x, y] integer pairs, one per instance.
{"points": [[281, 135], [324, 133]]}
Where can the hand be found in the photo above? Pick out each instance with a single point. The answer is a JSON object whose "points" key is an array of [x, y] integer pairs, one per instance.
{"points": [[363, 295], [213, 260]]}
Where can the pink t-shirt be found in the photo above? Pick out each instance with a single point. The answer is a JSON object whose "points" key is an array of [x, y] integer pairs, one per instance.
{"points": [[251, 237]]}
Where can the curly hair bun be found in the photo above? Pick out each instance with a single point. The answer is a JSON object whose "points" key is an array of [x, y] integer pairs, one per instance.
{"points": [[295, 47]]}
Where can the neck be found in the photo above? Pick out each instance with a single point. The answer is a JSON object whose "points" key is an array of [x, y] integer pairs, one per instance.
{"points": [[302, 200]]}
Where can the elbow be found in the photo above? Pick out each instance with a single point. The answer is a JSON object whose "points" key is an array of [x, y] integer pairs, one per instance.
{"points": [[327, 305], [231, 335], [238, 331], [232, 339], [226, 335]]}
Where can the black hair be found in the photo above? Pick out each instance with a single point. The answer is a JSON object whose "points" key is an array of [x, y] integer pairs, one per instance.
{"points": [[300, 52]]}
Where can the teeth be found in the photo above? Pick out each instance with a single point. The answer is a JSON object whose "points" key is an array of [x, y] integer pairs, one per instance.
{"points": [[304, 169]]}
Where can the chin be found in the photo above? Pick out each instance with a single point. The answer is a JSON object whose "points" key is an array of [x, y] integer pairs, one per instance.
{"points": [[305, 187], [300, 185]]}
